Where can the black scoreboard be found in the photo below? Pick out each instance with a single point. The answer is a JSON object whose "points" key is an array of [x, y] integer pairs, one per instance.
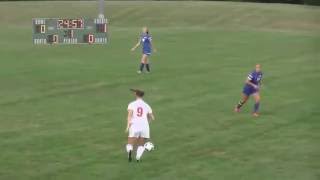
{"points": [[69, 31]]}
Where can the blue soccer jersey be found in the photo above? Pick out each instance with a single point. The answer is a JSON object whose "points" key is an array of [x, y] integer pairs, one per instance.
{"points": [[146, 43], [255, 78]]}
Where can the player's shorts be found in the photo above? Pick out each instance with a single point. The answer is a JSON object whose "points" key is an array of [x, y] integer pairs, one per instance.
{"points": [[248, 90], [148, 53], [139, 132]]}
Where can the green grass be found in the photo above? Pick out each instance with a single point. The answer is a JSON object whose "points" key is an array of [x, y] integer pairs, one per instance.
{"points": [[63, 108]]}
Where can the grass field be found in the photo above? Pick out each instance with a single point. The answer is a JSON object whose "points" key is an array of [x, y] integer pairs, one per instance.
{"points": [[63, 108]]}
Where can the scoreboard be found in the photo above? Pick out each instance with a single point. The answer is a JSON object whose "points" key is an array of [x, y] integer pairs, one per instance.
{"points": [[69, 31]]}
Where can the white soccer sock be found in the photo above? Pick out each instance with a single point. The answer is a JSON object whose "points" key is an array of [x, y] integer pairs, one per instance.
{"points": [[140, 151], [129, 147]]}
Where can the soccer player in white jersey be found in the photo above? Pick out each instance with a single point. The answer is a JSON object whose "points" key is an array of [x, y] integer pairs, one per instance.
{"points": [[139, 115]]}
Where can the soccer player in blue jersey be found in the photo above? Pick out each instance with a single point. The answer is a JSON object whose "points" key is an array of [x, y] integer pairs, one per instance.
{"points": [[146, 42], [251, 87]]}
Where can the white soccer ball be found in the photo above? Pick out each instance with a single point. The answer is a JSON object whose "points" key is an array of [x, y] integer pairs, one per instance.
{"points": [[149, 146]]}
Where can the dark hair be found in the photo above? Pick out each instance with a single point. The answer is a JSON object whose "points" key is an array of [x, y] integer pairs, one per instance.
{"points": [[138, 92]]}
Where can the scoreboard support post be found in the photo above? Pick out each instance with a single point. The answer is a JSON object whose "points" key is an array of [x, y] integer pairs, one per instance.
{"points": [[101, 9]]}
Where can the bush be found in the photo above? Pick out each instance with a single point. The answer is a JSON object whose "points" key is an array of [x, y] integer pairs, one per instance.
{"points": [[312, 2], [307, 2]]}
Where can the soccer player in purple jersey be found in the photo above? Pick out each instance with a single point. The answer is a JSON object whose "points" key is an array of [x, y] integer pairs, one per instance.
{"points": [[145, 41], [251, 87]]}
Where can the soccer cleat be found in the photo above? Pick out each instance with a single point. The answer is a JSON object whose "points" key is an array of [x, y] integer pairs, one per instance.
{"points": [[255, 114], [138, 160], [236, 109], [139, 72], [130, 156]]}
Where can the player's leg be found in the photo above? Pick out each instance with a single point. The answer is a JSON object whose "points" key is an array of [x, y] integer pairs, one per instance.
{"points": [[147, 63], [140, 148], [132, 140], [256, 97], [129, 147], [142, 63], [145, 134], [244, 99]]}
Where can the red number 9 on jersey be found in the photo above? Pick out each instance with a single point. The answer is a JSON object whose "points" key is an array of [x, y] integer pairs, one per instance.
{"points": [[139, 111]]}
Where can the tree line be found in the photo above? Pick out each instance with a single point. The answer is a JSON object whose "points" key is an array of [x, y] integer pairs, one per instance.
{"points": [[306, 2]]}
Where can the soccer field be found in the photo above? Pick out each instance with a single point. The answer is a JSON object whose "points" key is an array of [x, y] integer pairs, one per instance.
{"points": [[63, 108]]}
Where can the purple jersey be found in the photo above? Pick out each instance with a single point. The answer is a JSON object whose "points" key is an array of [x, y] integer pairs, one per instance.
{"points": [[146, 43], [255, 78]]}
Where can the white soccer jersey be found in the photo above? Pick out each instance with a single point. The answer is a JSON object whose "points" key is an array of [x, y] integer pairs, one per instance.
{"points": [[140, 114]]}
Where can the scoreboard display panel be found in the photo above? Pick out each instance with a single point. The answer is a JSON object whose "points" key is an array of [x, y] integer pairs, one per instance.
{"points": [[69, 31]]}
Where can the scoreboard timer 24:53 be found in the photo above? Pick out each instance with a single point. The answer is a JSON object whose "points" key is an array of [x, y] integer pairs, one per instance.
{"points": [[69, 31]]}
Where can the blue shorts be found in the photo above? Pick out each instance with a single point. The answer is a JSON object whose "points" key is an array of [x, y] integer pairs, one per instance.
{"points": [[148, 53], [249, 90]]}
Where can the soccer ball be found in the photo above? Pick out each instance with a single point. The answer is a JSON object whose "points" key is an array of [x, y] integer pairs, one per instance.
{"points": [[149, 146]]}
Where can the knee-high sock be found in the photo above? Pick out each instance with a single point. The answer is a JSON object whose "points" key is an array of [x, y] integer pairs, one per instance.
{"points": [[256, 107], [140, 151], [129, 148], [141, 67], [148, 67], [241, 103]]}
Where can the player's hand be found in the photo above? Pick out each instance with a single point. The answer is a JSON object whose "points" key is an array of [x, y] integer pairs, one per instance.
{"points": [[256, 87]]}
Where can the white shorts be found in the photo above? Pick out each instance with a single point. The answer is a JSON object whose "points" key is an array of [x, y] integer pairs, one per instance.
{"points": [[139, 132]]}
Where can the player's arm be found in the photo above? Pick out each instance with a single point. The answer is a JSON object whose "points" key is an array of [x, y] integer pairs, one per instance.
{"points": [[248, 81], [151, 117], [130, 113], [153, 47], [137, 45]]}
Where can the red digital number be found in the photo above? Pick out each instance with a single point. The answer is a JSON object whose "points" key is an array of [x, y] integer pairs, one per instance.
{"points": [[43, 28], [70, 23], [139, 111], [90, 38], [74, 23], [105, 28], [60, 23], [80, 23], [65, 23], [55, 39]]}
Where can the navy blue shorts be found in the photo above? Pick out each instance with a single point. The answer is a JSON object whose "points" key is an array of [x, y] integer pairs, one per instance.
{"points": [[249, 90], [146, 53]]}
